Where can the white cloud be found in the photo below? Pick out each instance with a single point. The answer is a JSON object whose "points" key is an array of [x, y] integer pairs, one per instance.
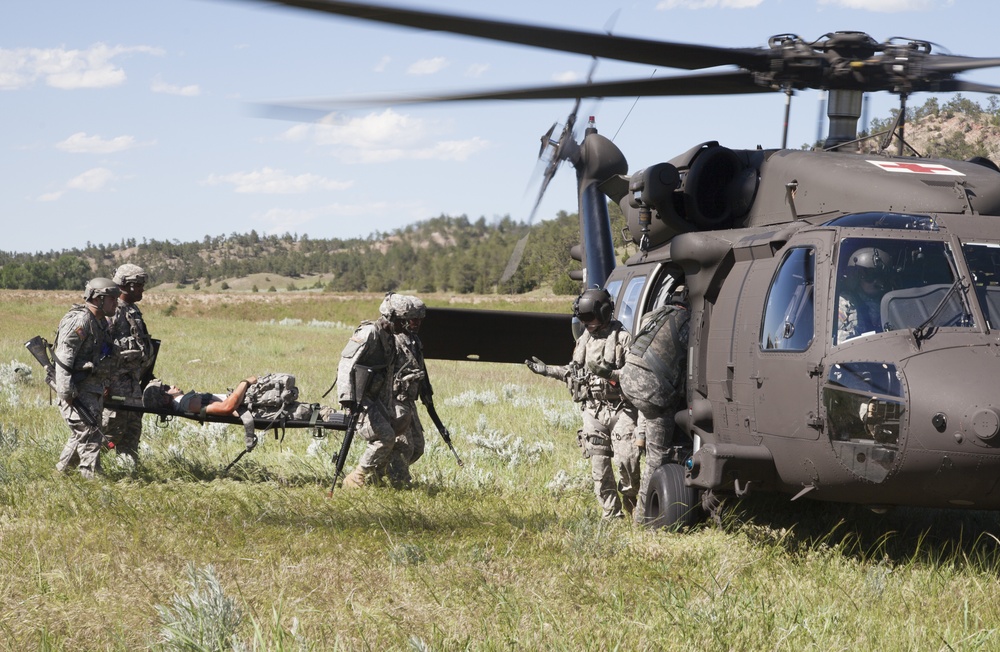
{"points": [[427, 66], [566, 77], [81, 143], [708, 4], [382, 137], [885, 6], [382, 64], [276, 182], [160, 86], [477, 70], [66, 69], [92, 180]]}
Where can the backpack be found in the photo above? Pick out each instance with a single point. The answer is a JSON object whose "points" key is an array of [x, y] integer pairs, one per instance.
{"points": [[656, 364], [271, 395]]}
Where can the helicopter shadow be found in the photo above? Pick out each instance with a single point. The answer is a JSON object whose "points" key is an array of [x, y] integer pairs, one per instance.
{"points": [[900, 536]]}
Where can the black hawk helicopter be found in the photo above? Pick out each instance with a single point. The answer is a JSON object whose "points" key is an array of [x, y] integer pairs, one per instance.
{"points": [[845, 306]]}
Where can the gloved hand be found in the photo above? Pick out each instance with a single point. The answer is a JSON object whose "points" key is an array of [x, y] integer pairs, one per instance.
{"points": [[348, 406], [601, 369], [536, 365]]}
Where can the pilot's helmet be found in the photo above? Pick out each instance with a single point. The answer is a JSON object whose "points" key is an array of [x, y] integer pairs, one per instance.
{"points": [[594, 304], [101, 287], [869, 264]]}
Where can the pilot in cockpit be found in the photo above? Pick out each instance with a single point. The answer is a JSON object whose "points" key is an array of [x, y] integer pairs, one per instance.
{"points": [[860, 293]]}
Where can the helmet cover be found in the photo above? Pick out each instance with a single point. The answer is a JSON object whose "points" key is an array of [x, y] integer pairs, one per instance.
{"points": [[129, 273]]}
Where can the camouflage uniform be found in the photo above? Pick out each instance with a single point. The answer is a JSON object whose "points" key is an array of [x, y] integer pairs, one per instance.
{"points": [[857, 314], [372, 345], [653, 379], [408, 382], [135, 355], [83, 356], [608, 434]]}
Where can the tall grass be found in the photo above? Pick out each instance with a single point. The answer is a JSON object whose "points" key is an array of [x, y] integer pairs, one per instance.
{"points": [[508, 552]]}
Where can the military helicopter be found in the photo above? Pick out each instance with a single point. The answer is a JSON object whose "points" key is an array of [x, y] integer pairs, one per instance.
{"points": [[793, 386]]}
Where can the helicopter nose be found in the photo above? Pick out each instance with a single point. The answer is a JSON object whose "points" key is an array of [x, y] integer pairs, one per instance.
{"points": [[953, 404], [953, 433]]}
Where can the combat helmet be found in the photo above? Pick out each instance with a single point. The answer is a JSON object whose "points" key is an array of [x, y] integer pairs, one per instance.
{"points": [[415, 308], [101, 287], [129, 273], [394, 306], [594, 304]]}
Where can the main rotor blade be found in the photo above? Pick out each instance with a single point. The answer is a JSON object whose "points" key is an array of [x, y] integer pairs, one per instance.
{"points": [[636, 50], [959, 85], [954, 64], [728, 83]]}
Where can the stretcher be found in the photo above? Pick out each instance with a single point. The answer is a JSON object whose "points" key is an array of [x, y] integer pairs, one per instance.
{"points": [[336, 421]]}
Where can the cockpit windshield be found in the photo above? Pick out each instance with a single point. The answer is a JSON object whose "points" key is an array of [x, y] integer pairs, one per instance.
{"points": [[887, 284], [983, 259]]}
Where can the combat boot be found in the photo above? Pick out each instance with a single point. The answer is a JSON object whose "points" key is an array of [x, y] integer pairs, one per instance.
{"points": [[357, 479], [628, 505]]}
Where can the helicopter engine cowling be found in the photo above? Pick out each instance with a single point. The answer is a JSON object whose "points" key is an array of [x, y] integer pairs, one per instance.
{"points": [[707, 188], [718, 188]]}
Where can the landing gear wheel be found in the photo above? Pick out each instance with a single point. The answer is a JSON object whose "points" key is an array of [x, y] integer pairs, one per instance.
{"points": [[669, 502]]}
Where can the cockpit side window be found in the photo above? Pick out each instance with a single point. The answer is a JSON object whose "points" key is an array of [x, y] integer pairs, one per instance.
{"points": [[662, 289], [789, 314], [613, 287], [887, 284], [630, 301]]}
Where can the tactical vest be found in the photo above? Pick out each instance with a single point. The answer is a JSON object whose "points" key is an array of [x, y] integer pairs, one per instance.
{"points": [[603, 352], [370, 346], [410, 369], [656, 364], [87, 363], [130, 335]]}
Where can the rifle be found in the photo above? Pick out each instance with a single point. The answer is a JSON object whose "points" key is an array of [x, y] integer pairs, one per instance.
{"points": [[425, 398], [40, 349], [362, 377]]}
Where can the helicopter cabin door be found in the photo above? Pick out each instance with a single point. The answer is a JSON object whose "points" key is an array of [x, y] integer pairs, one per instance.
{"points": [[789, 349]]}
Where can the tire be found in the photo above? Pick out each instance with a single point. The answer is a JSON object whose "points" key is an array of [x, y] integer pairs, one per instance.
{"points": [[669, 502]]}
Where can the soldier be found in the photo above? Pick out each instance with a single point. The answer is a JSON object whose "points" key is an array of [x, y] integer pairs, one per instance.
{"points": [[135, 357], [859, 304], [409, 382], [608, 419], [373, 345], [653, 379], [83, 356]]}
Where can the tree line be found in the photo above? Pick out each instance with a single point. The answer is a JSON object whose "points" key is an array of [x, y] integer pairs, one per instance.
{"points": [[446, 254]]}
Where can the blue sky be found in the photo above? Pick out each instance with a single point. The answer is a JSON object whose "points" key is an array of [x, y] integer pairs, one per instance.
{"points": [[135, 118]]}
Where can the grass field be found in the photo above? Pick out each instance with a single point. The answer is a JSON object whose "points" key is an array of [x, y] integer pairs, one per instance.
{"points": [[507, 553]]}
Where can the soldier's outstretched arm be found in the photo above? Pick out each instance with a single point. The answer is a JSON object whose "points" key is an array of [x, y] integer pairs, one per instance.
{"points": [[551, 371]]}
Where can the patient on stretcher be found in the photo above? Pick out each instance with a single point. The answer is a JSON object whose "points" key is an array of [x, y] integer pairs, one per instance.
{"points": [[170, 397], [273, 397]]}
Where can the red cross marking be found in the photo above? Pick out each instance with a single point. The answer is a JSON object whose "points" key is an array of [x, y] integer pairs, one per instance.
{"points": [[916, 168]]}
